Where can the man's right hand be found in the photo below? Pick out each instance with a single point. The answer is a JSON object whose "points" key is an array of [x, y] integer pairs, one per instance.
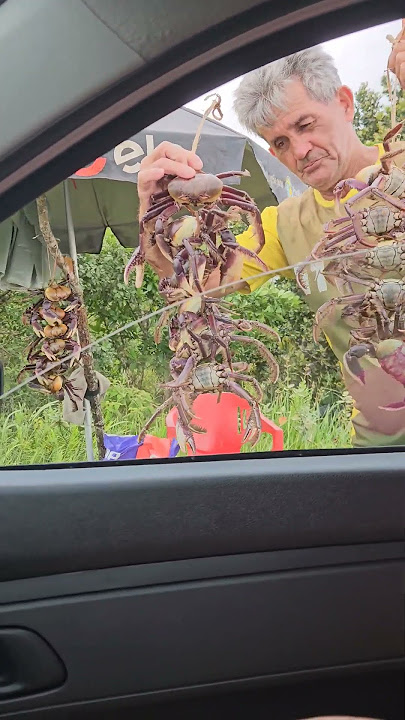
{"points": [[166, 159], [169, 159]]}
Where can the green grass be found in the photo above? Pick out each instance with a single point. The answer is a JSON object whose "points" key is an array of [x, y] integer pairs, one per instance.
{"points": [[42, 437]]}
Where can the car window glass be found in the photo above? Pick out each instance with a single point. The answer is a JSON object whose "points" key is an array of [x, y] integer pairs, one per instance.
{"points": [[312, 357]]}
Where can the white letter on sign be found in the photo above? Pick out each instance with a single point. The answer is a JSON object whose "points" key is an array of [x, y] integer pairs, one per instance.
{"points": [[150, 145], [128, 150]]}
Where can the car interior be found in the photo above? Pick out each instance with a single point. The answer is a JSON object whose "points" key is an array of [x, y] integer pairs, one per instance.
{"points": [[260, 585]]}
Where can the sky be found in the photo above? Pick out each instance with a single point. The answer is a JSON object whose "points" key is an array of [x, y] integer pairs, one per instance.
{"points": [[359, 57]]}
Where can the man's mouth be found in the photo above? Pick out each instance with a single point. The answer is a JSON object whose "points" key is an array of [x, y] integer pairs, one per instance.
{"points": [[313, 164]]}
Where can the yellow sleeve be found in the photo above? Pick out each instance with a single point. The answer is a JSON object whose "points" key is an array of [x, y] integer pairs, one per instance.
{"points": [[272, 253]]}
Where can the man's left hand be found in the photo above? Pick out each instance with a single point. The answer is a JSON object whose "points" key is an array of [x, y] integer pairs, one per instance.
{"points": [[396, 62]]}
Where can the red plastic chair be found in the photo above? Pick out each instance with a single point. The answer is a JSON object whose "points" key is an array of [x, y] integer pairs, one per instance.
{"points": [[225, 422]]}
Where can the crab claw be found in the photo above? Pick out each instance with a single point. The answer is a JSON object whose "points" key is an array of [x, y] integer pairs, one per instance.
{"points": [[351, 361], [253, 427], [393, 407], [136, 262], [185, 437], [231, 270], [183, 228], [37, 327], [343, 187], [55, 331], [71, 325], [393, 132], [180, 277], [301, 277], [73, 349]]}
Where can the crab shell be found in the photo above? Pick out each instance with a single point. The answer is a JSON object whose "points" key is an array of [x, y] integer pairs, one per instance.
{"points": [[55, 293], [202, 188]]}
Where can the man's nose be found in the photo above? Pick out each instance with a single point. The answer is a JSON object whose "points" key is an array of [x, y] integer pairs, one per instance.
{"points": [[301, 148]]}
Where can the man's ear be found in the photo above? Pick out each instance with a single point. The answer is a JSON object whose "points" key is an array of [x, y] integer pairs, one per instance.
{"points": [[346, 100], [271, 151]]}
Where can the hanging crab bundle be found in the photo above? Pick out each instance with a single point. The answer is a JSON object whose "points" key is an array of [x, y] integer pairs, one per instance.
{"points": [[202, 329], [53, 318], [376, 315]]}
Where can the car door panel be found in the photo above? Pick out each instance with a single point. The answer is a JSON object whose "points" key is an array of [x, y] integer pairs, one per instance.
{"points": [[80, 518], [175, 591]]}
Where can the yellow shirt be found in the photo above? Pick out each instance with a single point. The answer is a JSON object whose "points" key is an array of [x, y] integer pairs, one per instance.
{"points": [[272, 253], [291, 230]]}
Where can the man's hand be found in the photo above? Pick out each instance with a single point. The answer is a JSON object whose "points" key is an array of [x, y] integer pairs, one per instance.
{"points": [[396, 62], [170, 159], [166, 159]]}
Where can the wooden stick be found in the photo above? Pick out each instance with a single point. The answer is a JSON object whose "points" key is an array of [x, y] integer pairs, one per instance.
{"points": [[82, 323], [392, 88], [215, 109]]}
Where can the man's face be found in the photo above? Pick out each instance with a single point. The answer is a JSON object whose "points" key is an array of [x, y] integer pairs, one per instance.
{"points": [[312, 138]]}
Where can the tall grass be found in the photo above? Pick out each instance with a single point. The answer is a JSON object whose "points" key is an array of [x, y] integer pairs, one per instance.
{"points": [[42, 437]]}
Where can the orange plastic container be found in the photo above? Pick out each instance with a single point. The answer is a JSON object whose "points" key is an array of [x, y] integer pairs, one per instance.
{"points": [[154, 447], [225, 422]]}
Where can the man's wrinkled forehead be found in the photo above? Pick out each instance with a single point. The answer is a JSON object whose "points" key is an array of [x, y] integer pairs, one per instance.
{"points": [[296, 105]]}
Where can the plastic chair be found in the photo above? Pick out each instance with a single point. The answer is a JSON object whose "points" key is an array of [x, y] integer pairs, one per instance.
{"points": [[225, 422]]}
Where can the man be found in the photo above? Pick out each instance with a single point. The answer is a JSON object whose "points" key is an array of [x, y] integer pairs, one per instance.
{"points": [[299, 106]]}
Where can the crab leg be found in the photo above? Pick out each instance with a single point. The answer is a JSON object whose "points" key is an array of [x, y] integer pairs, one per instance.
{"points": [[252, 433], [249, 379], [158, 411], [184, 375], [264, 352]]}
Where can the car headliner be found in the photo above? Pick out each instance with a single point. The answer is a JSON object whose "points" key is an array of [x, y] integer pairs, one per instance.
{"points": [[78, 76]]}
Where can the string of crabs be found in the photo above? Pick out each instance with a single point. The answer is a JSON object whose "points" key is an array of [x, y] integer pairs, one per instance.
{"points": [[378, 228], [53, 319], [202, 329]]}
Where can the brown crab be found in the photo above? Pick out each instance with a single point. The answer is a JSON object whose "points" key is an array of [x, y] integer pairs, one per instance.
{"points": [[382, 307], [207, 378], [202, 192], [388, 257], [382, 183]]}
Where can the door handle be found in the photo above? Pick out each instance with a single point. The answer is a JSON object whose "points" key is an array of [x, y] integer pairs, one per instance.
{"points": [[27, 664]]}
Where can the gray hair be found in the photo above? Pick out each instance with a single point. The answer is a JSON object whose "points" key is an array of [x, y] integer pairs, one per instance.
{"points": [[261, 91]]}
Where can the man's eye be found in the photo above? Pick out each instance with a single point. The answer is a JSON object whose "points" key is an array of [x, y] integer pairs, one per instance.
{"points": [[305, 125], [280, 144]]}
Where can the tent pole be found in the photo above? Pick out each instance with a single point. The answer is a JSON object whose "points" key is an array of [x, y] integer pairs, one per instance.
{"points": [[73, 254], [88, 433]]}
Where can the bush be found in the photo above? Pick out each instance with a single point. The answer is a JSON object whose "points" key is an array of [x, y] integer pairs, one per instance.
{"points": [[278, 304]]}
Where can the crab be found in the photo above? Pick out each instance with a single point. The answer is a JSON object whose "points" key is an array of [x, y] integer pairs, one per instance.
{"points": [[54, 327], [382, 183], [193, 380], [383, 304], [203, 192], [192, 336], [52, 382], [388, 257]]}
